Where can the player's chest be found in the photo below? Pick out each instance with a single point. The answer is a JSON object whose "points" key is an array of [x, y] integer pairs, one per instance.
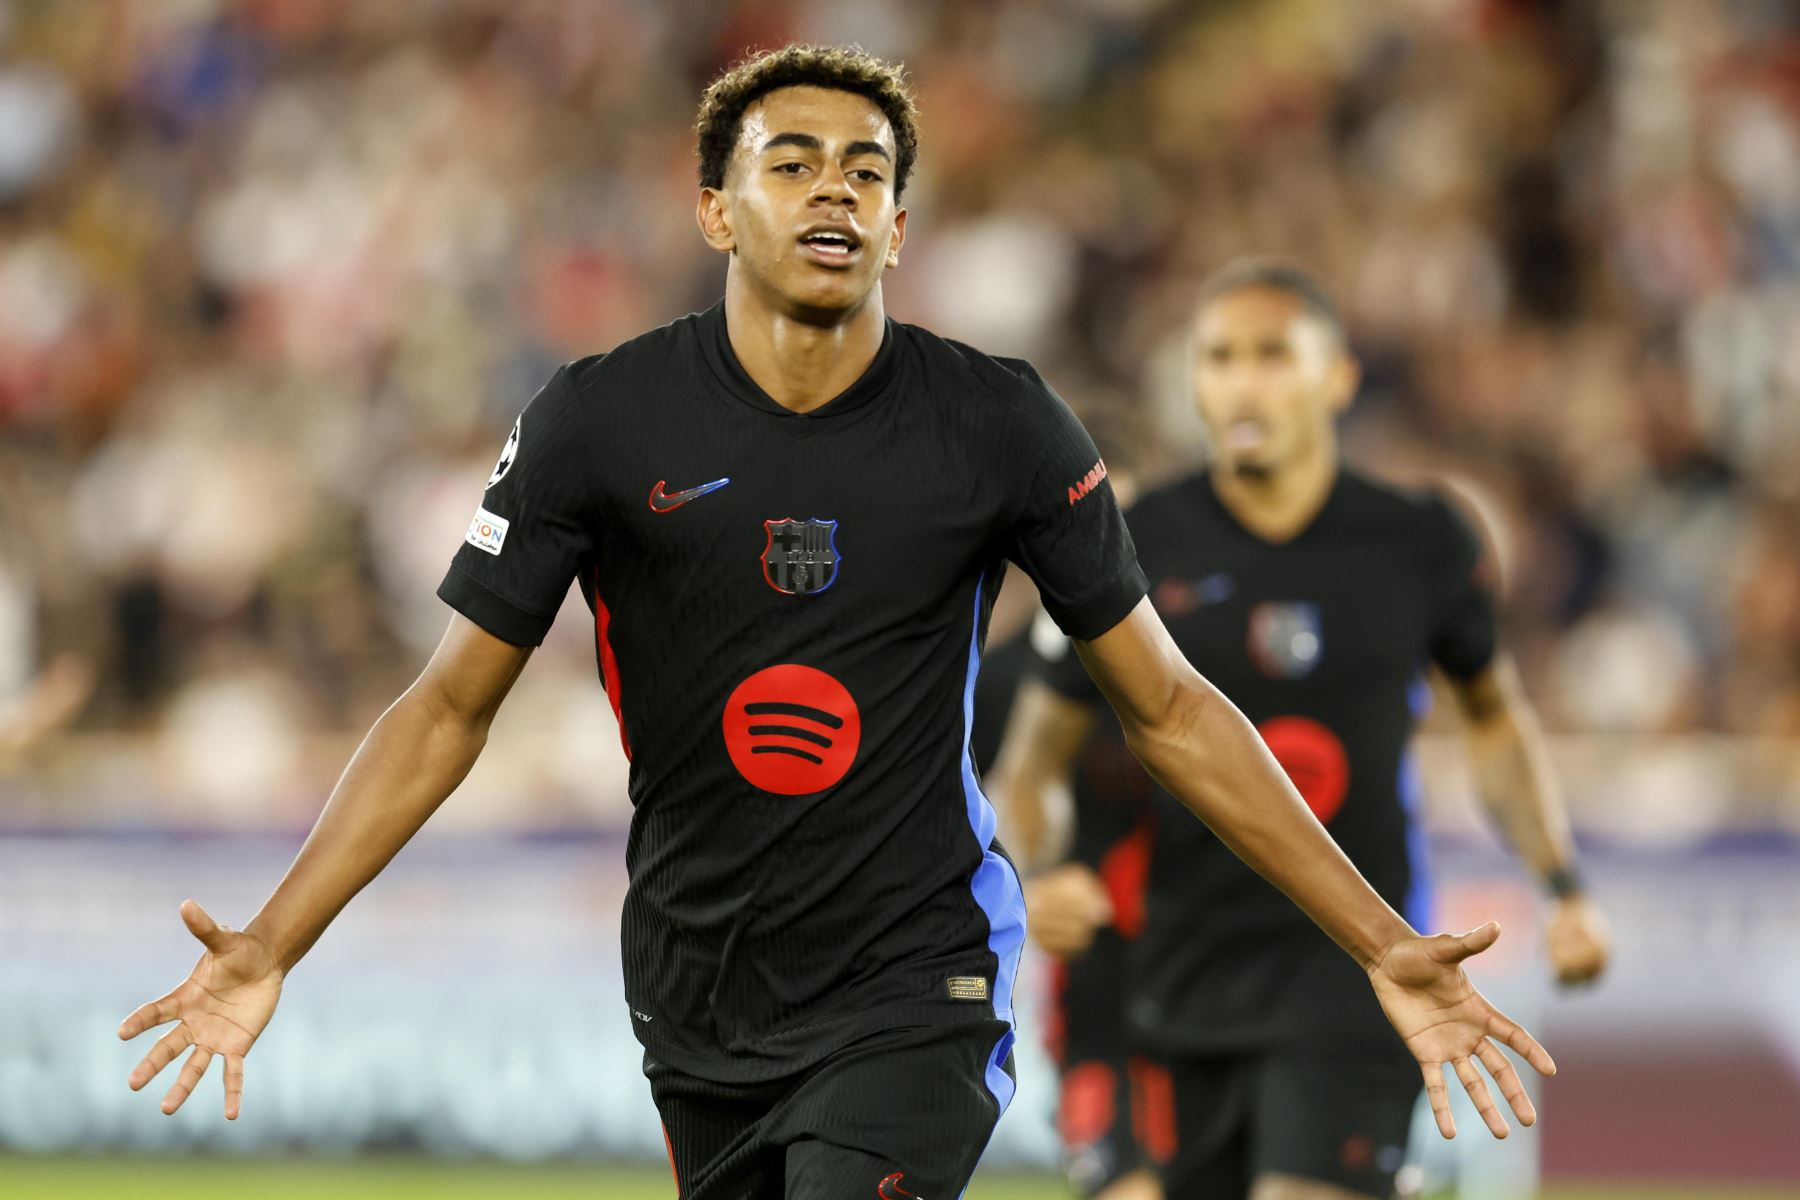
{"points": [[761, 516], [1272, 620]]}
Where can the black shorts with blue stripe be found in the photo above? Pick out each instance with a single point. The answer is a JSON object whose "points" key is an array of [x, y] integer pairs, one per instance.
{"points": [[899, 1115]]}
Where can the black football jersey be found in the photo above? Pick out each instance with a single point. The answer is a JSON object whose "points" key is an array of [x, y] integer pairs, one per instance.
{"points": [[1322, 641], [789, 616]]}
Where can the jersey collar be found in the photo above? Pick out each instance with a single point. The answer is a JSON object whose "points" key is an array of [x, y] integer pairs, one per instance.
{"points": [[715, 343]]}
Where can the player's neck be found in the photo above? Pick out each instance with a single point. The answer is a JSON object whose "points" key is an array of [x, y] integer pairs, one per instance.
{"points": [[801, 365], [1277, 506]]}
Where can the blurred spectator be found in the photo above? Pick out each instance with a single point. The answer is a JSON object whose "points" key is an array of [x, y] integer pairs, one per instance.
{"points": [[275, 277]]}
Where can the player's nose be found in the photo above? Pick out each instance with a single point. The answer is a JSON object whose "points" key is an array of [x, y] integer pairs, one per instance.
{"points": [[834, 188]]}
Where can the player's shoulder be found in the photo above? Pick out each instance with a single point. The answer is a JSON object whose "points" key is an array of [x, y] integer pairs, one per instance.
{"points": [[1428, 513], [1175, 494], [1011, 382]]}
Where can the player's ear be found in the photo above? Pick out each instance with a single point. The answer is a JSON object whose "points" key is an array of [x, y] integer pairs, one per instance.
{"points": [[1345, 378], [899, 238], [714, 216]]}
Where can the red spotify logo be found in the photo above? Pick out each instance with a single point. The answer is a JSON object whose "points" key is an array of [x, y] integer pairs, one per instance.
{"points": [[792, 730], [1313, 758]]}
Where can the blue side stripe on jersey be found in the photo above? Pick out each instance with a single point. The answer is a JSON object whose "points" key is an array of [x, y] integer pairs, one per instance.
{"points": [[995, 884], [1418, 907]]}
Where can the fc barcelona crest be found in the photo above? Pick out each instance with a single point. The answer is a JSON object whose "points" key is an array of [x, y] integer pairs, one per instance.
{"points": [[1285, 639], [801, 557]]}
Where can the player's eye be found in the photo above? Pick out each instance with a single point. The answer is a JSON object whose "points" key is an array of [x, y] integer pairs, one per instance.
{"points": [[867, 175], [790, 168]]}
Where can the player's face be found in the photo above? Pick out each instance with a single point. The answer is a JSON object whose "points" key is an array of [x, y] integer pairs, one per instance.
{"points": [[808, 206], [1270, 377]]}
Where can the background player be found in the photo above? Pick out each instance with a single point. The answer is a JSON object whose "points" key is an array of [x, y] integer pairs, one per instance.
{"points": [[1314, 596], [821, 935]]}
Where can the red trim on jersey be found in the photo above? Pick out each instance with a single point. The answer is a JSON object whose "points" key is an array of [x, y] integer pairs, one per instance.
{"points": [[1125, 870], [609, 663], [1153, 1109], [673, 1169]]}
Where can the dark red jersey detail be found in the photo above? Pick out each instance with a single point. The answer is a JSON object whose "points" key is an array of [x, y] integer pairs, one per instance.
{"points": [[1125, 870], [1087, 1108], [609, 663], [673, 1169], [1153, 1109]]}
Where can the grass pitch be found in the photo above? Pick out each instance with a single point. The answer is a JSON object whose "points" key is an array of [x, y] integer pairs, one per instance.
{"points": [[203, 1178]]}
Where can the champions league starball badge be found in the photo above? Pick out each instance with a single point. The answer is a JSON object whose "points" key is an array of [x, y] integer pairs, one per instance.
{"points": [[508, 452]]}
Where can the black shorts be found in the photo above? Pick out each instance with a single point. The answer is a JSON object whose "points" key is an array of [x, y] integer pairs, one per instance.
{"points": [[901, 1114], [1335, 1116], [1100, 1080]]}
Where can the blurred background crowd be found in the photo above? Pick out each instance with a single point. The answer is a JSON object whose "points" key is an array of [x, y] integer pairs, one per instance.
{"points": [[275, 276]]}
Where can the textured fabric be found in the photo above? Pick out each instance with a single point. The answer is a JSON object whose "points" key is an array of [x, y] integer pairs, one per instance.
{"points": [[789, 612], [1321, 641], [901, 1114], [1335, 1118]]}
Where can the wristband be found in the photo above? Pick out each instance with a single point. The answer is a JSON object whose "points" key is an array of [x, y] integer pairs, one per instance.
{"points": [[1563, 882]]}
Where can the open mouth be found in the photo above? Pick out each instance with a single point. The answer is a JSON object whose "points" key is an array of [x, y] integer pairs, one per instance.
{"points": [[1246, 433], [831, 245]]}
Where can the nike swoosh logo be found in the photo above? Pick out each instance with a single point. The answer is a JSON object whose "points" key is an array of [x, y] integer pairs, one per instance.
{"points": [[890, 1189], [662, 502]]}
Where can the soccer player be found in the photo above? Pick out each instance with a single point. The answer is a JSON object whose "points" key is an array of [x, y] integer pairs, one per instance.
{"points": [[1314, 597], [788, 515]]}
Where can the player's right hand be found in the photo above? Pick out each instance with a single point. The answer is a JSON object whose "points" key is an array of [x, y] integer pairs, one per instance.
{"points": [[223, 1007], [1066, 906]]}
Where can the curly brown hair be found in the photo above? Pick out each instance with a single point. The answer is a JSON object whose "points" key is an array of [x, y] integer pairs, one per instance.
{"points": [[843, 68]]}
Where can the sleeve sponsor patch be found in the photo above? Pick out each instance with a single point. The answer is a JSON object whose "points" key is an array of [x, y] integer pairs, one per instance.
{"points": [[1087, 483], [486, 531]]}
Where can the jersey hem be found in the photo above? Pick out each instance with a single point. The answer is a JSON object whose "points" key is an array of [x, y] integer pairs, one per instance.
{"points": [[733, 1069]]}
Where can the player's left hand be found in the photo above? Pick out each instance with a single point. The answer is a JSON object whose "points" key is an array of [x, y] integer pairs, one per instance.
{"points": [[1067, 906], [1443, 1019], [1579, 938]]}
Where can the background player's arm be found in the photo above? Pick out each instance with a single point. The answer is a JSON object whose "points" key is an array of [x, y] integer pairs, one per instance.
{"points": [[1031, 784], [1515, 783], [1032, 777], [1199, 747], [412, 759]]}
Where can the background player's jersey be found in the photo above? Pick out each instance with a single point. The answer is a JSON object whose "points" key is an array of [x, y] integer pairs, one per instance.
{"points": [[1322, 642], [789, 616]]}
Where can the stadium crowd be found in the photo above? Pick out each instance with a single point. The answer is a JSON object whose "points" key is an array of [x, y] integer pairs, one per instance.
{"points": [[276, 275]]}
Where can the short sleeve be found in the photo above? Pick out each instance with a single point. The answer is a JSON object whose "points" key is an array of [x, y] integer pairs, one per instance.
{"points": [[1068, 534], [532, 528], [1464, 621]]}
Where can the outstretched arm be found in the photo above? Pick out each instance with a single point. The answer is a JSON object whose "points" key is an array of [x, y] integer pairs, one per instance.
{"points": [[1513, 778], [413, 758], [1199, 747]]}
